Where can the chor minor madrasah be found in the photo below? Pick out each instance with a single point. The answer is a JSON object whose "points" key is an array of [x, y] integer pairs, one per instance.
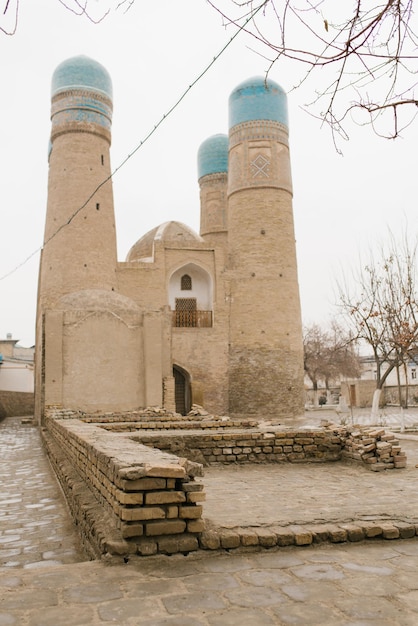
{"points": [[212, 318]]}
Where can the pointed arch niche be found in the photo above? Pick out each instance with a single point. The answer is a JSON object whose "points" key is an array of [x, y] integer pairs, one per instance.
{"points": [[190, 296], [182, 392]]}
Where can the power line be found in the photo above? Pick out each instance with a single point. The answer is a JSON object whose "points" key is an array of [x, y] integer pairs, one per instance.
{"points": [[140, 144]]}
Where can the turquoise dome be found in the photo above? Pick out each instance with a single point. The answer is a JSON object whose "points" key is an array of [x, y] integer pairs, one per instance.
{"points": [[212, 157], [257, 99], [81, 72]]}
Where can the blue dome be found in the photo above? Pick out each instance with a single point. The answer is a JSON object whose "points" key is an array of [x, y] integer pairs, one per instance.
{"points": [[257, 99], [212, 157], [81, 72]]}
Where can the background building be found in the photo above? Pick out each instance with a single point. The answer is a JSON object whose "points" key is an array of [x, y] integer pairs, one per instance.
{"points": [[16, 378], [16, 366]]}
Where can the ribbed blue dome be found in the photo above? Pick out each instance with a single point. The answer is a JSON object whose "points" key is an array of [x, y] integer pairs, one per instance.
{"points": [[212, 157], [81, 72], [257, 99]]}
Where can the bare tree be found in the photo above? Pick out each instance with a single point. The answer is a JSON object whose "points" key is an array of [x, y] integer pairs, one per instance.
{"points": [[313, 356], [381, 307], [9, 13], [328, 355], [90, 9], [371, 49], [344, 359]]}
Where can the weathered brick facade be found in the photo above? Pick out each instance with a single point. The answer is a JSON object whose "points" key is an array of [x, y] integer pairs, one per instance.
{"points": [[212, 319], [16, 403]]}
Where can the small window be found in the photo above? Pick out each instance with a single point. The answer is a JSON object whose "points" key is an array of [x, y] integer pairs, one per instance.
{"points": [[186, 282], [413, 373]]}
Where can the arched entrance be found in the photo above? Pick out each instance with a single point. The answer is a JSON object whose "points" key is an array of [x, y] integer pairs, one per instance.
{"points": [[181, 390], [190, 297]]}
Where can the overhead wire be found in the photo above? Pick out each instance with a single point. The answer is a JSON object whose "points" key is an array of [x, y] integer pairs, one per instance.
{"points": [[140, 144]]}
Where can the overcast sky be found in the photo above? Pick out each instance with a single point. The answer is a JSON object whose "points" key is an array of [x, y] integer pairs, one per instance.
{"points": [[343, 205]]}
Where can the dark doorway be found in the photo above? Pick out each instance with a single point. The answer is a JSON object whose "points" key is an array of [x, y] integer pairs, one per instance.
{"points": [[353, 399], [181, 390]]}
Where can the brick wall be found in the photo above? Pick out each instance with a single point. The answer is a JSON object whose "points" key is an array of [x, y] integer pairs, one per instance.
{"points": [[130, 482], [253, 446], [149, 499], [13, 403]]}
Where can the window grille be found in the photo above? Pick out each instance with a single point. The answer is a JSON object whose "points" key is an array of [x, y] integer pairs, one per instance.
{"points": [[186, 282], [186, 304], [186, 315], [186, 309]]}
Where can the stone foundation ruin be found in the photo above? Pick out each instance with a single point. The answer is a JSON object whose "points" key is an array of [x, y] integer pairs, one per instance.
{"points": [[133, 481]]}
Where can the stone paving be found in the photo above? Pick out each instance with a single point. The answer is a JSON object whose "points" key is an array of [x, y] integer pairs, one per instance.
{"points": [[282, 494], [388, 417], [44, 581], [332, 585], [35, 526]]}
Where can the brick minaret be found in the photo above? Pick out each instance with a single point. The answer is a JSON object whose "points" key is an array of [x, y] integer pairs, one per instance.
{"points": [[266, 357], [212, 172], [79, 251], [80, 243]]}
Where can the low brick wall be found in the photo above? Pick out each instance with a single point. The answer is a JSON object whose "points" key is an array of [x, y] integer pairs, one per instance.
{"points": [[375, 449], [153, 419], [251, 447], [298, 535], [16, 403], [149, 498], [132, 490]]}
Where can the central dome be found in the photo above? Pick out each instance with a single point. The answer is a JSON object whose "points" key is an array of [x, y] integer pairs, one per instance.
{"points": [[81, 72], [170, 233]]}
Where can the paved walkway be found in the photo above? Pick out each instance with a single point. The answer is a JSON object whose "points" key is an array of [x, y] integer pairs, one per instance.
{"points": [[335, 585], [314, 493], [388, 417], [35, 526], [44, 581]]}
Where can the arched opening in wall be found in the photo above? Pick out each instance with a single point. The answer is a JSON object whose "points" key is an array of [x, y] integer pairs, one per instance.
{"points": [[190, 297], [182, 390]]}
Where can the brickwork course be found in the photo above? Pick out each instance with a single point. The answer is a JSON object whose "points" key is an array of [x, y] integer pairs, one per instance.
{"points": [[45, 578], [211, 318], [136, 491]]}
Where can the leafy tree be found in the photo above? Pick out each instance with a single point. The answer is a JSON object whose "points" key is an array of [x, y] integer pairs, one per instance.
{"points": [[381, 307]]}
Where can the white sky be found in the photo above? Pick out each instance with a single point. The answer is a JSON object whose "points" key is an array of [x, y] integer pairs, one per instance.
{"points": [[343, 205]]}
